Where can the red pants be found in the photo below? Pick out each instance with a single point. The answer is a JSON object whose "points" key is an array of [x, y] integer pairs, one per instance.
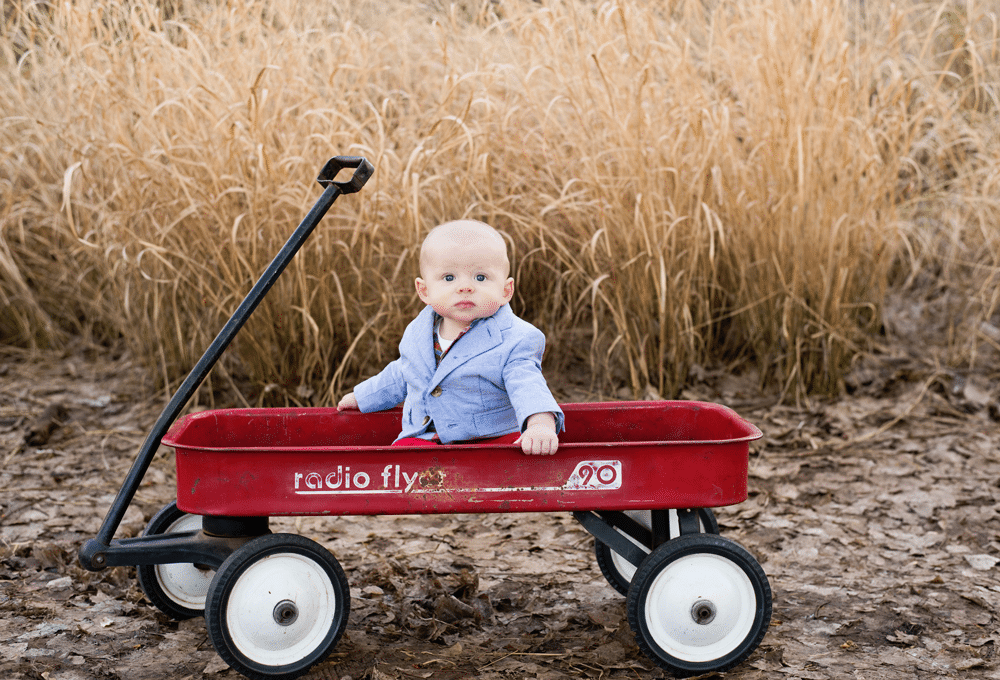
{"points": [[416, 441]]}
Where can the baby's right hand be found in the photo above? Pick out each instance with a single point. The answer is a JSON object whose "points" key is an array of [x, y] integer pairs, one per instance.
{"points": [[539, 436], [349, 402]]}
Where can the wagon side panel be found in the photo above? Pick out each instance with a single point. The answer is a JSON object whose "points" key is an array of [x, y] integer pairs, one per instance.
{"points": [[459, 479]]}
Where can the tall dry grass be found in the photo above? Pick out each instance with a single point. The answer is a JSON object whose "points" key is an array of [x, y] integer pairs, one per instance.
{"points": [[683, 183]]}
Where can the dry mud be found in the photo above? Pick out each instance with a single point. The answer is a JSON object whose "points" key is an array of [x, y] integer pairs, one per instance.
{"points": [[874, 517]]}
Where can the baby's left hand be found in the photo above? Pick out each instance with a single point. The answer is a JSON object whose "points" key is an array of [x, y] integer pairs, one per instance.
{"points": [[539, 437], [348, 403]]}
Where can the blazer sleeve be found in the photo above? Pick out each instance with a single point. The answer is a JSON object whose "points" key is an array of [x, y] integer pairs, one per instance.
{"points": [[382, 391], [526, 387]]}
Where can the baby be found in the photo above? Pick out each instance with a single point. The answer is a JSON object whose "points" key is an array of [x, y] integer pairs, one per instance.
{"points": [[469, 369]]}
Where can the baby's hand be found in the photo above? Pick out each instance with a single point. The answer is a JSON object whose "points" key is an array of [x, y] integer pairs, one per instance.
{"points": [[349, 402], [539, 437]]}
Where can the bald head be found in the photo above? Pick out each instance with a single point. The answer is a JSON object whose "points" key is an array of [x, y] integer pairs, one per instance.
{"points": [[469, 236]]}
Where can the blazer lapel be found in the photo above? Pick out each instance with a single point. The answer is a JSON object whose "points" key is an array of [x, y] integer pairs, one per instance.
{"points": [[482, 337], [422, 343]]}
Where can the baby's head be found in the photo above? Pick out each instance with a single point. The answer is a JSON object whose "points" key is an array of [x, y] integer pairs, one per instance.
{"points": [[464, 271], [461, 237]]}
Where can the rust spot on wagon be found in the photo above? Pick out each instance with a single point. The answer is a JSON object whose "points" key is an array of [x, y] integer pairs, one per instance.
{"points": [[432, 478]]}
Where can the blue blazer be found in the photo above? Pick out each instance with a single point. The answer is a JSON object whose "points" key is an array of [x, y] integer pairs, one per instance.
{"points": [[487, 385]]}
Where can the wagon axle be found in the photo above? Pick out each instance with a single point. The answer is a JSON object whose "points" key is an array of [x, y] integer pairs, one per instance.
{"points": [[285, 613], [703, 612]]}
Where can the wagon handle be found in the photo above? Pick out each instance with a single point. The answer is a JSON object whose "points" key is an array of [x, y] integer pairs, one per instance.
{"points": [[92, 555], [328, 174]]}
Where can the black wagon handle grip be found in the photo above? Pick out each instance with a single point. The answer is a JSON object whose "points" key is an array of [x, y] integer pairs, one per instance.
{"points": [[363, 170]]}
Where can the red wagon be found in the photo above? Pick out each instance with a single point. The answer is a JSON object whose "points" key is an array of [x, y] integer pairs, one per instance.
{"points": [[641, 477]]}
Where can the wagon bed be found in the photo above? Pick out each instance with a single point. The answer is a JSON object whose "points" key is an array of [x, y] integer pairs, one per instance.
{"points": [[320, 461]]}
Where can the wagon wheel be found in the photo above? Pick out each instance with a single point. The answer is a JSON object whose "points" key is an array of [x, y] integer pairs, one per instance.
{"points": [[699, 604], [619, 571], [177, 590], [277, 606]]}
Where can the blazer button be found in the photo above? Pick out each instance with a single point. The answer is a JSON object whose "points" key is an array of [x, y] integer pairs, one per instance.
{"points": [[436, 392], [427, 419]]}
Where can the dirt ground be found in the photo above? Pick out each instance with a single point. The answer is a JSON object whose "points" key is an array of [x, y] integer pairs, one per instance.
{"points": [[874, 517]]}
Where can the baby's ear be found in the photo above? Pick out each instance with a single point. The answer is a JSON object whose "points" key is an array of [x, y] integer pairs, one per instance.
{"points": [[508, 289], [421, 289]]}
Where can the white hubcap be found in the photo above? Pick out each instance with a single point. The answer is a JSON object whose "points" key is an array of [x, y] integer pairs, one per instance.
{"points": [[700, 607], [185, 584], [281, 609]]}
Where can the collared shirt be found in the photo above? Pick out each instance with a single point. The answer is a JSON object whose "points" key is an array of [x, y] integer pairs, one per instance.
{"points": [[441, 346]]}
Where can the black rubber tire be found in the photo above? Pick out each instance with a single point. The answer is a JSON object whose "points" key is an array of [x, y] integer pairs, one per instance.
{"points": [[156, 580], [706, 580], [259, 579], [609, 561]]}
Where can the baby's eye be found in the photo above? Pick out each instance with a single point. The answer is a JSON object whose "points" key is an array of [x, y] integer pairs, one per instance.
{"points": [[449, 277], [480, 277]]}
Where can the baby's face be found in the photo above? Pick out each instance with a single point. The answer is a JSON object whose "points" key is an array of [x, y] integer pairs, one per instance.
{"points": [[464, 280]]}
